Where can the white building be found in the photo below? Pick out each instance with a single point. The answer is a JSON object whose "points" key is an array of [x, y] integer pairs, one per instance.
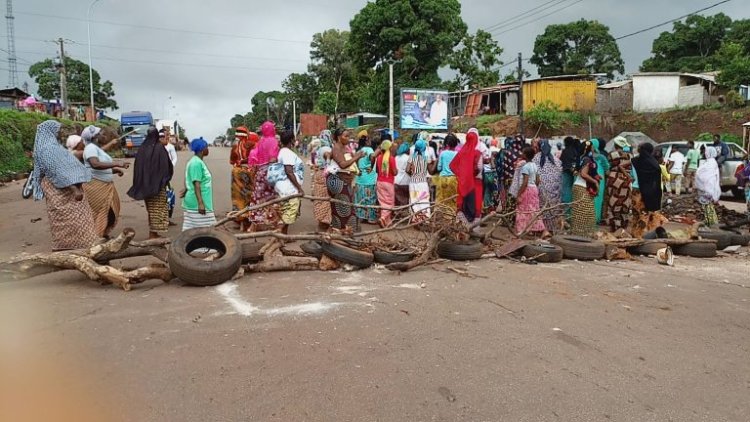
{"points": [[659, 91]]}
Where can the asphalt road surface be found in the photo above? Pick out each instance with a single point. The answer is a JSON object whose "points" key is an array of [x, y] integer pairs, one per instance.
{"points": [[495, 340]]}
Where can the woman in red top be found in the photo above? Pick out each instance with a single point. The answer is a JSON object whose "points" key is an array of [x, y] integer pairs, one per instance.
{"points": [[242, 177], [386, 168]]}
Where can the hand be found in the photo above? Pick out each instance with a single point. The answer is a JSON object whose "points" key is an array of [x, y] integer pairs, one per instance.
{"points": [[77, 193], [183, 193], [124, 164], [118, 172], [300, 192], [201, 210], [359, 154]]}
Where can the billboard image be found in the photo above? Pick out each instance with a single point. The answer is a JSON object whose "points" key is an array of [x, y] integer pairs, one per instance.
{"points": [[424, 109]]}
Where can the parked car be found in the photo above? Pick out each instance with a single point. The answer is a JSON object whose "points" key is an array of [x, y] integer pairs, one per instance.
{"points": [[728, 169]]}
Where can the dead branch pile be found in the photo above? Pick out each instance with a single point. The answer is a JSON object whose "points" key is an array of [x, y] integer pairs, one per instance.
{"points": [[687, 208]]}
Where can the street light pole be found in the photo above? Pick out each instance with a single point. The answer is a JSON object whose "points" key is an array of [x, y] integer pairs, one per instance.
{"points": [[91, 70], [390, 103]]}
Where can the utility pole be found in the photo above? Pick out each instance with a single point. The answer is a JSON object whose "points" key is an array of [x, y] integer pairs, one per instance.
{"points": [[294, 118], [390, 103], [63, 77], [12, 62], [520, 93]]}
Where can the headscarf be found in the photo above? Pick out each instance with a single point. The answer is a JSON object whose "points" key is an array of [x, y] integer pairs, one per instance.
{"points": [[89, 133], [362, 134], [403, 149], [268, 147], [326, 138], [53, 161], [420, 147], [707, 178], [241, 149], [424, 136], [386, 147], [648, 173], [546, 152], [463, 166], [198, 145], [152, 169], [621, 142], [73, 141], [569, 156]]}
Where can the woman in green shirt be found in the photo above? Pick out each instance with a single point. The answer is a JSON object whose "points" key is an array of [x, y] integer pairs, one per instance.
{"points": [[197, 202]]}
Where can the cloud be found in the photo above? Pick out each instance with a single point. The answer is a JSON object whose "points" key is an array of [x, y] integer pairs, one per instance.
{"points": [[220, 75]]}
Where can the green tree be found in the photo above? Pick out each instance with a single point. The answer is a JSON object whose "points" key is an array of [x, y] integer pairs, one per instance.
{"points": [[48, 79], [418, 35], [331, 65], [326, 103], [476, 61], [734, 62], [581, 47], [739, 33], [303, 88], [690, 46]]}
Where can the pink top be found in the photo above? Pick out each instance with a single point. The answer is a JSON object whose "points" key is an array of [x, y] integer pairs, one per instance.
{"points": [[268, 147]]}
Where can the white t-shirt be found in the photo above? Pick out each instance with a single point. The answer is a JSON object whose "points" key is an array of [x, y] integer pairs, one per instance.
{"points": [[485, 155], [285, 187], [402, 178], [679, 162], [530, 169], [172, 153], [93, 151]]}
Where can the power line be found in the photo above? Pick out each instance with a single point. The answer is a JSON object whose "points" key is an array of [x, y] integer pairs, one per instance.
{"points": [[156, 28], [673, 20], [529, 12], [538, 19]]}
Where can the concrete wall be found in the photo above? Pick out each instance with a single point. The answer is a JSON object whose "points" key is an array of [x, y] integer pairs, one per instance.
{"points": [[655, 93], [614, 101], [511, 103], [692, 95]]}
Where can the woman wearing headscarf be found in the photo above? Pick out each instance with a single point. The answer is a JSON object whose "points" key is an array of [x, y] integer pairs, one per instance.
{"points": [[419, 189], [510, 155], [648, 176], [569, 161], [550, 174], [322, 209], [708, 185], [447, 185], [528, 197], [602, 168], [100, 191], [75, 145], [58, 178], [401, 183], [341, 172], [385, 165], [242, 176], [365, 191], [198, 196], [619, 186], [259, 160], [466, 166], [152, 172], [585, 190]]}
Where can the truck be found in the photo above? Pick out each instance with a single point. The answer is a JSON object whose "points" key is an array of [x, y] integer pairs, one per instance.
{"points": [[135, 124]]}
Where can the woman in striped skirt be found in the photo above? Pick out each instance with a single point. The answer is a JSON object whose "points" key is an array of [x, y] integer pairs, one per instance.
{"points": [[198, 196]]}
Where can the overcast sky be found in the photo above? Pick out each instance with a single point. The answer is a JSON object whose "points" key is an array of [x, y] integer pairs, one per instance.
{"points": [[210, 77]]}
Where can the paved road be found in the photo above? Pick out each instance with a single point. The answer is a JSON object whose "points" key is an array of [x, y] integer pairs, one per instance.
{"points": [[625, 341]]}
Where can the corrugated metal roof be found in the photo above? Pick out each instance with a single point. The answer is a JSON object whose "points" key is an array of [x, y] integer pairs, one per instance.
{"points": [[618, 84], [706, 77]]}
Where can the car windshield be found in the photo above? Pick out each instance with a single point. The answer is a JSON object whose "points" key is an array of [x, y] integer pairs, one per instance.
{"points": [[138, 130]]}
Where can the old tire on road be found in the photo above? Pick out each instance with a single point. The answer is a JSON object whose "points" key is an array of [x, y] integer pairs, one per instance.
{"points": [[460, 251], [543, 252], [697, 250], [581, 248], [251, 251], [347, 255], [647, 249], [723, 238], [199, 272], [312, 248], [386, 257]]}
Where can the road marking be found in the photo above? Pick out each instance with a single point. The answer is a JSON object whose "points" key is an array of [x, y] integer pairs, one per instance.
{"points": [[229, 293]]}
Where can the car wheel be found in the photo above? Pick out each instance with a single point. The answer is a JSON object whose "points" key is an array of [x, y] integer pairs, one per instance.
{"points": [[200, 272], [577, 247]]}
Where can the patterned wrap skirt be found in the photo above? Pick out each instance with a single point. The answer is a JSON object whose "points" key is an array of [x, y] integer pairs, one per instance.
{"points": [[105, 205], [321, 209], [447, 189], [583, 219], [619, 200], [402, 195], [387, 199], [528, 205], [157, 207], [242, 189], [263, 192], [366, 195], [71, 222], [419, 199], [194, 219], [341, 213]]}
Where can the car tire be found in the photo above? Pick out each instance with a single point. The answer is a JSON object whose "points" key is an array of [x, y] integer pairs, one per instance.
{"points": [[385, 257], [28, 188], [582, 248], [696, 250], [723, 238], [460, 251], [647, 249], [347, 255], [736, 239], [543, 252], [312, 248], [199, 272], [251, 251], [738, 193]]}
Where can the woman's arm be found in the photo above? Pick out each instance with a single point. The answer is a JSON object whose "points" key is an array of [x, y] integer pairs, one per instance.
{"points": [[99, 165], [338, 157], [524, 184], [111, 144], [199, 197], [585, 175], [289, 170]]}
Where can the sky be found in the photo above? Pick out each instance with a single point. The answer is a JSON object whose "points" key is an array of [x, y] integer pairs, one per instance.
{"points": [[214, 55]]}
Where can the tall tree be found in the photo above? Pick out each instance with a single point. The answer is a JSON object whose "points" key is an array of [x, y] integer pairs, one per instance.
{"points": [[48, 79], [690, 46], [581, 47], [734, 62], [331, 65], [418, 35], [303, 88], [476, 61]]}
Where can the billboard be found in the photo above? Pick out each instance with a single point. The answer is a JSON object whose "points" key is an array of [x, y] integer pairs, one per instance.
{"points": [[424, 109]]}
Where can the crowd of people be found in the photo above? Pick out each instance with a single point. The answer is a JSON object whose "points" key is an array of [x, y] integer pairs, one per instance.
{"points": [[542, 190]]}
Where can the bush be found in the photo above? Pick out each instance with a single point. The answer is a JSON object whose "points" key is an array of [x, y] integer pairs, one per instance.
{"points": [[546, 114], [13, 159]]}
